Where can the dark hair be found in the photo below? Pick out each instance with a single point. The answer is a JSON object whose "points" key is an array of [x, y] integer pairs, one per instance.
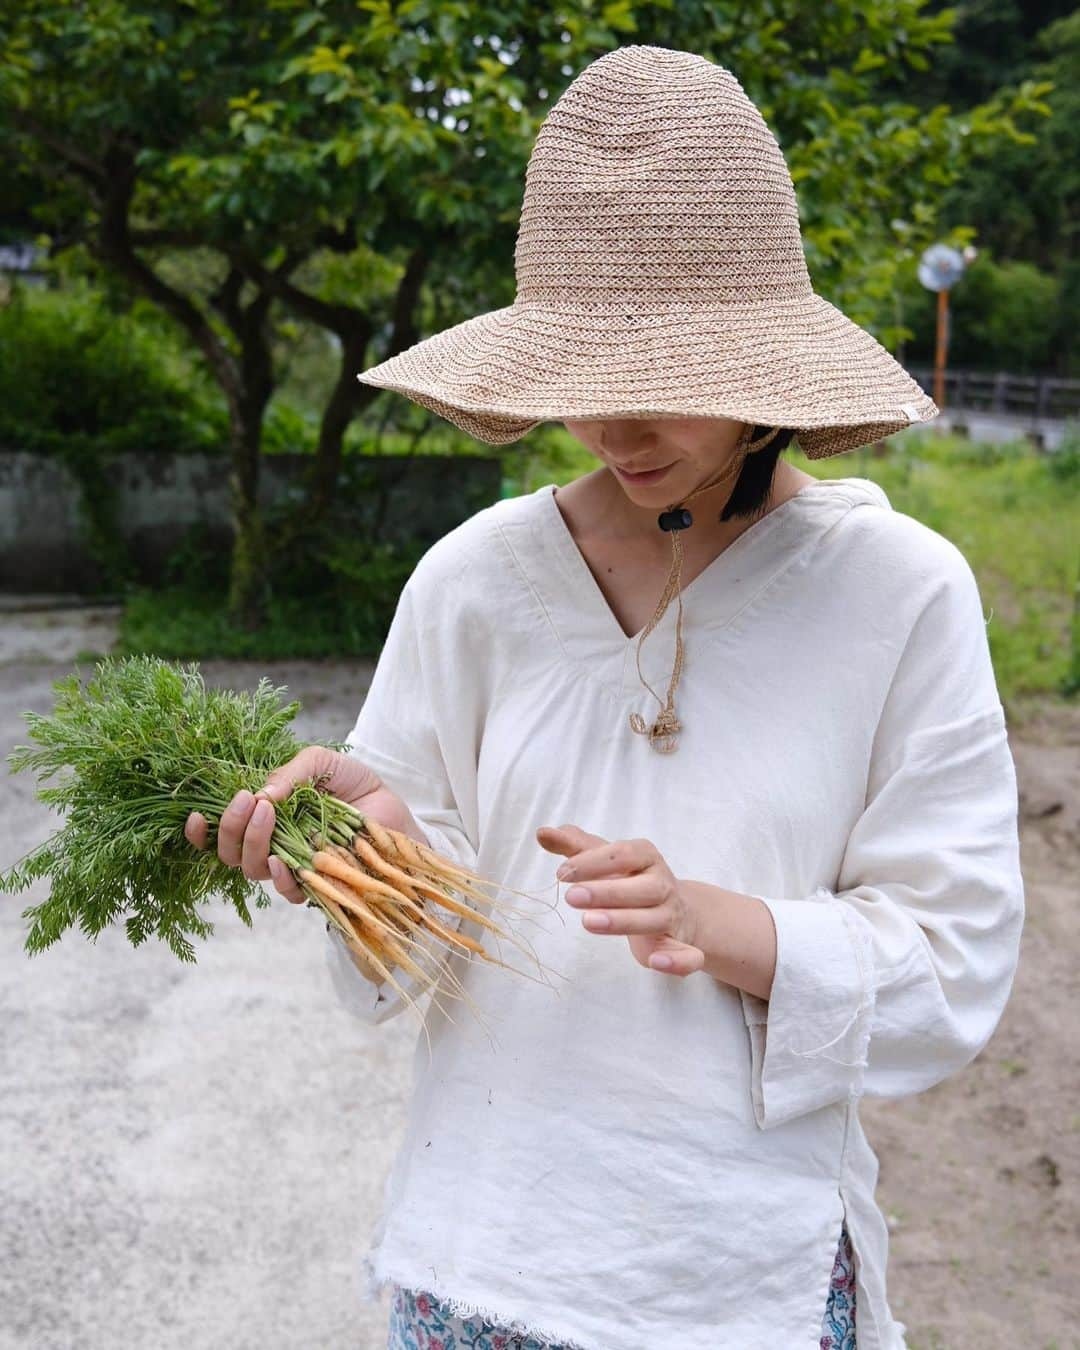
{"points": [[751, 490]]}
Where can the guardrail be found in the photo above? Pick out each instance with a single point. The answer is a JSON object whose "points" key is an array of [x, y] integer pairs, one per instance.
{"points": [[1036, 397]]}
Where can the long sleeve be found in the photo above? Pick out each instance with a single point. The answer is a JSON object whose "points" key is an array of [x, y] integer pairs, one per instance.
{"points": [[413, 731], [897, 977]]}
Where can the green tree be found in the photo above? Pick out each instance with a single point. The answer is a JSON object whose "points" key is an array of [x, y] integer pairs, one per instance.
{"points": [[1023, 204], [995, 44], [361, 163], [1027, 202]]}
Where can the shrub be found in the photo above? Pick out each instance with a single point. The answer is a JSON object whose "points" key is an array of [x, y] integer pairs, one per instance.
{"points": [[1002, 316], [1064, 463], [77, 379]]}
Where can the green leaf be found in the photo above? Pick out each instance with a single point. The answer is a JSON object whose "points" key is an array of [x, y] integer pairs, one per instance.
{"points": [[868, 59], [306, 22]]}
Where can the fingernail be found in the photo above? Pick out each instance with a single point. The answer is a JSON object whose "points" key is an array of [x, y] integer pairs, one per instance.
{"points": [[577, 895], [660, 962], [598, 920], [565, 872], [262, 810], [243, 799]]}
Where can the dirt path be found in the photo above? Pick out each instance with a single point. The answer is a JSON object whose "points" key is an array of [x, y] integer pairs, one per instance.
{"points": [[194, 1155], [980, 1174]]}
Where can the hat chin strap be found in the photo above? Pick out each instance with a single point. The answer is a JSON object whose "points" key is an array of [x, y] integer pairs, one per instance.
{"points": [[663, 734]]}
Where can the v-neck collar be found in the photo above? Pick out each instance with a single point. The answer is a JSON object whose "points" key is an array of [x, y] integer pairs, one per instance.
{"points": [[584, 621], [576, 560]]}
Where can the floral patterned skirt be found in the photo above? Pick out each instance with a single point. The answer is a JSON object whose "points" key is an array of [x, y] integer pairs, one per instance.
{"points": [[419, 1321]]}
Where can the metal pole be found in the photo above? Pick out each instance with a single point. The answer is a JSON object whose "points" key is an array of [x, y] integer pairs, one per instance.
{"points": [[942, 342]]}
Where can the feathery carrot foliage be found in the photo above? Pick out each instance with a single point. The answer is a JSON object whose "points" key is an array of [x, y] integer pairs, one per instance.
{"points": [[126, 757]]}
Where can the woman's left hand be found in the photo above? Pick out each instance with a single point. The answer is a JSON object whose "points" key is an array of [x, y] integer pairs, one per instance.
{"points": [[628, 883]]}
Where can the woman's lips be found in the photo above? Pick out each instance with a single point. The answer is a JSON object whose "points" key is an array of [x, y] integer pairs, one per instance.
{"points": [[653, 475]]}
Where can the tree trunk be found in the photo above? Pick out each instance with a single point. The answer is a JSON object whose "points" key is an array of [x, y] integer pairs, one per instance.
{"points": [[248, 396], [353, 329], [248, 588], [348, 398]]}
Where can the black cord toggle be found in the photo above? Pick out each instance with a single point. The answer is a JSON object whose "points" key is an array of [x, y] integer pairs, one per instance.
{"points": [[677, 519]]}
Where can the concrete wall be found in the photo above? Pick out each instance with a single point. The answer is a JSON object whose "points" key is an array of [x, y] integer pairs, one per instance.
{"points": [[159, 498]]}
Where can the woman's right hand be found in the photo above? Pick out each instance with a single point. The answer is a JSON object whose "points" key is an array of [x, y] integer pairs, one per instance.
{"points": [[243, 837]]}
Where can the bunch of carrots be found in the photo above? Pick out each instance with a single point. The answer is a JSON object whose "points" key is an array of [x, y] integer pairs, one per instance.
{"points": [[375, 886], [127, 756]]}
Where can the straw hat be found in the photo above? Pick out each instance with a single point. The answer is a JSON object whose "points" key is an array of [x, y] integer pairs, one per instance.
{"points": [[660, 273]]}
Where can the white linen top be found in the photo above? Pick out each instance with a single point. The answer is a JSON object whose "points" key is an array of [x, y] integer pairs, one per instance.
{"points": [[634, 1160]]}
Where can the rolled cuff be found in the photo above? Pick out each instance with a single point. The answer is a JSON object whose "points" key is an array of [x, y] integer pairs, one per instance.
{"points": [[809, 1041]]}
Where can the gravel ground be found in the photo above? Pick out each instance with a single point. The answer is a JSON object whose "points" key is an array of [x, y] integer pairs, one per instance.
{"points": [[194, 1155]]}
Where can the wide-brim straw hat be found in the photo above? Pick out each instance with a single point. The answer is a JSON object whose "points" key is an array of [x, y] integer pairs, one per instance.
{"points": [[660, 273]]}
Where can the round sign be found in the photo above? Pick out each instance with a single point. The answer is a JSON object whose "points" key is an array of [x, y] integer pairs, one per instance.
{"points": [[940, 267]]}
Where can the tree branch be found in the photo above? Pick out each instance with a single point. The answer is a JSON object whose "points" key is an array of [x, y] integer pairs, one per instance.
{"points": [[73, 156], [114, 246], [404, 332], [226, 299], [165, 239], [339, 241], [340, 319]]}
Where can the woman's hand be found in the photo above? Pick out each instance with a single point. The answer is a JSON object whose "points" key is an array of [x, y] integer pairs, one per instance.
{"points": [[243, 837], [628, 884]]}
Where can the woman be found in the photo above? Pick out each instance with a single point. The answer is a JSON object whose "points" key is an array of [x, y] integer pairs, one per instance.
{"points": [[808, 841]]}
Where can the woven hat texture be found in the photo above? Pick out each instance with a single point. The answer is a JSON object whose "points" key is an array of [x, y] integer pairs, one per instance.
{"points": [[660, 273]]}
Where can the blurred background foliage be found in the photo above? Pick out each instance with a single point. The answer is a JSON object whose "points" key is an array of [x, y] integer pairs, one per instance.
{"points": [[243, 206]]}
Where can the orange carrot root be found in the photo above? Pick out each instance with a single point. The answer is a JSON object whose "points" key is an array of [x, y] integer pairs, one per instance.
{"points": [[381, 837], [452, 935], [407, 849], [364, 850], [372, 926], [331, 865]]}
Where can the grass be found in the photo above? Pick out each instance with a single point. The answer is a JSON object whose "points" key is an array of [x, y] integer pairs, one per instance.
{"points": [[181, 623], [335, 600], [1013, 1067], [1014, 513]]}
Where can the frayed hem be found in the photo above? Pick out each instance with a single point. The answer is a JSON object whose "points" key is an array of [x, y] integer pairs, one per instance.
{"points": [[463, 1307]]}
